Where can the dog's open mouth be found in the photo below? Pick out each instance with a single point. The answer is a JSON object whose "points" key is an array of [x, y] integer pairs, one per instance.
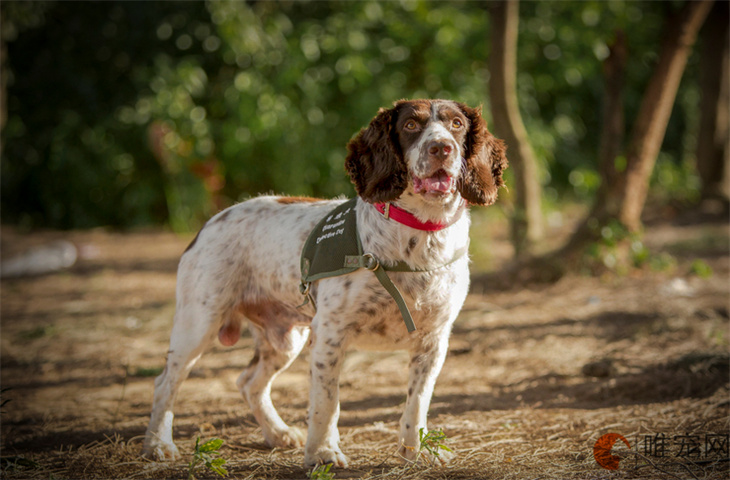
{"points": [[440, 183]]}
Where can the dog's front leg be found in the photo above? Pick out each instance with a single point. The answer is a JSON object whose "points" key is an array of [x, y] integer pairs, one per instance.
{"points": [[324, 406], [426, 362]]}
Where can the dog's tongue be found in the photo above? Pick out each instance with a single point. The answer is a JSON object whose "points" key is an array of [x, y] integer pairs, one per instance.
{"points": [[440, 182]]}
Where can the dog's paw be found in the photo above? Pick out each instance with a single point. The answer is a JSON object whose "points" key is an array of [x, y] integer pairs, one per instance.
{"points": [[160, 451], [324, 456], [291, 437], [443, 457], [413, 455]]}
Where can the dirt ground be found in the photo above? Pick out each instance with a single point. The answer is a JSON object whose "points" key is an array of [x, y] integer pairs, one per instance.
{"points": [[535, 374]]}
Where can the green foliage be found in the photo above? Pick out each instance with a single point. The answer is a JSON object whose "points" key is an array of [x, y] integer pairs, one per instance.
{"points": [[203, 456], [36, 333], [701, 269], [130, 114], [617, 249], [676, 181], [662, 262], [321, 472], [432, 442], [69, 160]]}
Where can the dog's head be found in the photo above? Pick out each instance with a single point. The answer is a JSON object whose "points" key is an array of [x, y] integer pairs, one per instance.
{"points": [[437, 148]]}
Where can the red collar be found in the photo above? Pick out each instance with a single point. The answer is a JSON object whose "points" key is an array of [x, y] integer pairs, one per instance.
{"points": [[408, 219]]}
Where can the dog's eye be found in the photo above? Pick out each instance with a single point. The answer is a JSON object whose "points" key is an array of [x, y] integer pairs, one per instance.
{"points": [[456, 123], [410, 125]]}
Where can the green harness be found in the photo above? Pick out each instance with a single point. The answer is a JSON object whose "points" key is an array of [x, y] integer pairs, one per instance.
{"points": [[333, 248]]}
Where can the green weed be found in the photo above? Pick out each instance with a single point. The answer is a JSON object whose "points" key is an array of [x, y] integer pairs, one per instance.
{"points": [[322, 472], [432, 442], [203, 455], [36, 333], [701, 269]]}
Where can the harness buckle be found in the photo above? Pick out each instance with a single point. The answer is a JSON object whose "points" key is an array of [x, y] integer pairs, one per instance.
{"points": [[371, 263], [304, 289], [386, 210]]}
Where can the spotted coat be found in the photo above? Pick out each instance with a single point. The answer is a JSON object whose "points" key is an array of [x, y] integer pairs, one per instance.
{"points": [[427, 157]]}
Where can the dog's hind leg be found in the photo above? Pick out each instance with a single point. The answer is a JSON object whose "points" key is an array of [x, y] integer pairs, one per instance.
{"points": [[192, 331], [270, 359]]}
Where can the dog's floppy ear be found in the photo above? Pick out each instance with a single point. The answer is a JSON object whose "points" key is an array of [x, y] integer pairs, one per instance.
{"points": [[483, 162], [375, 162]]}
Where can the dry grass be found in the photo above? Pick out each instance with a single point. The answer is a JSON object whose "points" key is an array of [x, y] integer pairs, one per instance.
{"points": [[534, 376], [517, 444]]}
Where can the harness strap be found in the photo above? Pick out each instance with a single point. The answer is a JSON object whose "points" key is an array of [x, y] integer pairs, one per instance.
{"points": [[390, 287], [335, 237], [371, 263]]}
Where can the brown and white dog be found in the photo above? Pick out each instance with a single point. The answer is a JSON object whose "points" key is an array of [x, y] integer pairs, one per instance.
{"points": [[426, 157]]}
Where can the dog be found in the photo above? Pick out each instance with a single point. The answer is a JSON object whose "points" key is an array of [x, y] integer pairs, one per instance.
{"points": [[416, 168]]}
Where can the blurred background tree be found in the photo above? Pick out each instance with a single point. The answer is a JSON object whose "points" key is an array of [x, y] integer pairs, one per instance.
{"points": [[625, 174], [146, 113], [713, 138], [526, 218]]}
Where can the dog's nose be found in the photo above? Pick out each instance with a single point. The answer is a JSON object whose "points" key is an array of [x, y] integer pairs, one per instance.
{"points": [[440, 149]]}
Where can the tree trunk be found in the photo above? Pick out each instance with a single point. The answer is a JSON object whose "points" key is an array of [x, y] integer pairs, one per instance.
{"points": [[655, 109], [3, 85], [527, 219], [612, 133], [625, 183], [713, 138]]}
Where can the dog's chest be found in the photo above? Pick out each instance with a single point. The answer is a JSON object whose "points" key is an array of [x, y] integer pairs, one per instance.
{"points": [[434, 297], [370, 316]]}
